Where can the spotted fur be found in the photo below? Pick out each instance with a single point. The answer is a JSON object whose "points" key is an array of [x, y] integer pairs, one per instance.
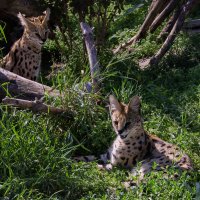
{"points": [[24, 57], [133, 144]]}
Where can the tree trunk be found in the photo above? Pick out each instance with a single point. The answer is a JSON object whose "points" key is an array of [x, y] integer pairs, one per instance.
{"points": [[168, 42], [161, 17], [158, 12], [156, 7], [166, 30]]}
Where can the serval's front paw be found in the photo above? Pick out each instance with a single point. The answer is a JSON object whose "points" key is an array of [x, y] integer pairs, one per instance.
{"points": [[107, 167]]}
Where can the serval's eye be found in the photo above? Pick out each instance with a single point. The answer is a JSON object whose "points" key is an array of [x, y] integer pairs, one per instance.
{"points": [[46, 33], [37, 34], [116, 123], [127, 124]]}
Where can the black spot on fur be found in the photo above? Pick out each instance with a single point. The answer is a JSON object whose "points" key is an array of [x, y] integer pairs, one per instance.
{"points": [[123, 158], [114, 156], [27, 74], [140, 142], [169, 146], [149, 146], [163, 144], [140, 148], [138, 138], [133, 143], [145, 139], [19, 71], [183, 160], [134, 161], [126, 161], [162, 151], [108, 155], [20, 61], [26, 65]]}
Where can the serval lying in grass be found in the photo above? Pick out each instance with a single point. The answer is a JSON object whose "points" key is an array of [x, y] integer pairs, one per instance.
{"points": [[24, 57], [134, 144]]}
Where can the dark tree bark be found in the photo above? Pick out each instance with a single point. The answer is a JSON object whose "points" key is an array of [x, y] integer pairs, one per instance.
{"points": [[15, 85], [27, 7]]}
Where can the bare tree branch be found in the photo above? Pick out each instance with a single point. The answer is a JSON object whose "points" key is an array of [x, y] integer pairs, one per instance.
{"points": [[92, 54], [35, 106]]}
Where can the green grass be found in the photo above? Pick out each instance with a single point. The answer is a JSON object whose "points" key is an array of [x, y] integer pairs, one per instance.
{"points": [[36, 149]]}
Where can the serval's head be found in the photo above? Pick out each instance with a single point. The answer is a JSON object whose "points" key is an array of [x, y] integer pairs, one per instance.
{"points": [[36, 28], [125, 117]]}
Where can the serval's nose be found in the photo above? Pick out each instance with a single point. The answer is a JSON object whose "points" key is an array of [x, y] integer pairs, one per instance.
{"points": [[120, 131]]}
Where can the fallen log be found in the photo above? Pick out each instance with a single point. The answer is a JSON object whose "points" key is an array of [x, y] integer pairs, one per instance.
{"points": [[192, 31], [192, 24], [15, 85], [35, 106]]}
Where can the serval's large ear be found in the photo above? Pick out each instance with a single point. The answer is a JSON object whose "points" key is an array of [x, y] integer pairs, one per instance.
{"points": [[114, 104], [134, 104], [47, 16], [25, 22]]}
